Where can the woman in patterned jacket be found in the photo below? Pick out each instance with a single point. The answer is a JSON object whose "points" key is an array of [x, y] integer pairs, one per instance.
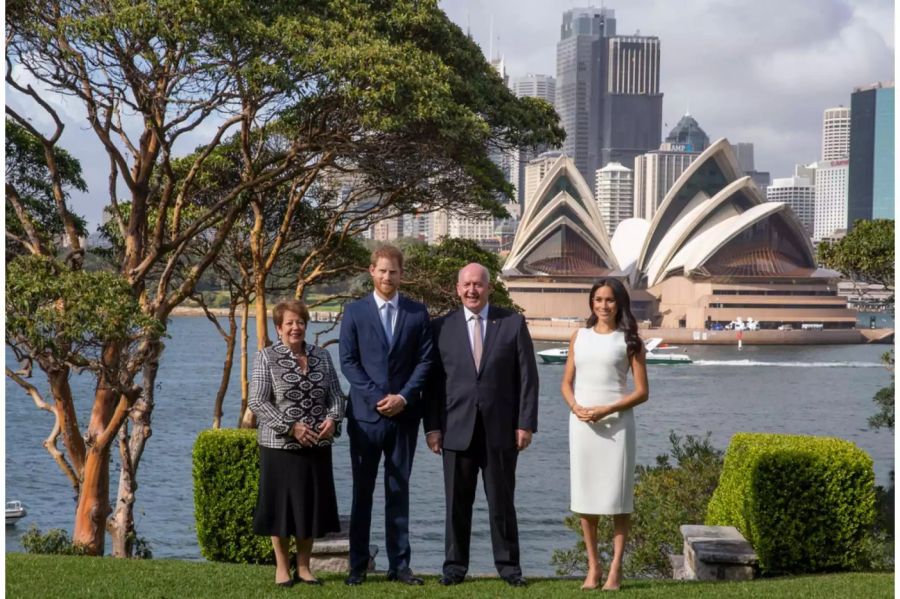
{"points": [[298, 403]]}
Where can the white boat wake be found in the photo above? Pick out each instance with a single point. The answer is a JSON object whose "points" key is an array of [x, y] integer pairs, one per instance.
{"points": [[788, 364]]}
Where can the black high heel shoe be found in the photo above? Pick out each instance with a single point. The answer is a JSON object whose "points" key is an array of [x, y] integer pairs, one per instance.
{"points": [[314, 581]]}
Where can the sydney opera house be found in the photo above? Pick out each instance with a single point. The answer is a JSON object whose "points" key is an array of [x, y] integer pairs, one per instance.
{"points": [[714, 251]]}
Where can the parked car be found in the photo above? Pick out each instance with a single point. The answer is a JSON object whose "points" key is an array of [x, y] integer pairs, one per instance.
{"points": [[786, 327]]}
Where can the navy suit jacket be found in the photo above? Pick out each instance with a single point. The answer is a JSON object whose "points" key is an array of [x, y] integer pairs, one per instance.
{"points": [[504, 389], [373, 369]]}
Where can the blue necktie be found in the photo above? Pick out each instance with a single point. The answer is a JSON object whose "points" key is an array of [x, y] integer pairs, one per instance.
{"points": [[386, 321]]}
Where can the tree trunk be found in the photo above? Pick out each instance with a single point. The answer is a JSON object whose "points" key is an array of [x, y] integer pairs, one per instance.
{"points": [[121, 525], [123, 520], [65, 410], [246, 419], [226, 368], [93, 502]]}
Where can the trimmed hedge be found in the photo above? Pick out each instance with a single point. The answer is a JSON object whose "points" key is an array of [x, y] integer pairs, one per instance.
{"points": [[226, 480], [805, 503]]}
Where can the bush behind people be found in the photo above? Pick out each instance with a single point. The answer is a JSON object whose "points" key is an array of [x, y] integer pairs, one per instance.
{"points": [[666, 495], [806, 504]]}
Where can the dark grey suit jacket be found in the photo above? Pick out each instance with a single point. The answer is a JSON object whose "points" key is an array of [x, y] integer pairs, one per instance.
{"points": [[504, 390]]}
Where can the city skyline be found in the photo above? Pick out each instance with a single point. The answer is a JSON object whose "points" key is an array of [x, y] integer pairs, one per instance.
{"points": [[776, 66], [813, 60]]}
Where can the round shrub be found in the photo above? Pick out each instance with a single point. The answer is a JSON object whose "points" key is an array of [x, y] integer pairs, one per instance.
{"points": [[805, 503]]}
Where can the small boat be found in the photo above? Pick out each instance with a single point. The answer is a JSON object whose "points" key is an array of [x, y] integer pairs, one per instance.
{"points": [[556, 355], [657, 353], [15, 511]]}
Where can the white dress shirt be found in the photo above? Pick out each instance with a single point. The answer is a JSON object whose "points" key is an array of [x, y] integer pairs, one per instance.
{"points": [[395, 304], [470, 325]]}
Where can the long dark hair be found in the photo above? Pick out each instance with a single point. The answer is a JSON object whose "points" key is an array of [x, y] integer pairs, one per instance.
{"points": [[625, 321]]}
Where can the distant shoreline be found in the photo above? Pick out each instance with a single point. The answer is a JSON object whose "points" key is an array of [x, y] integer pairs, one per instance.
{"points": [[315, 315]]}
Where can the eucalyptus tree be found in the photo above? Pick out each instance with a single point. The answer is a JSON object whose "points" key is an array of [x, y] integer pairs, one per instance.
{"points": [[388, 90]]}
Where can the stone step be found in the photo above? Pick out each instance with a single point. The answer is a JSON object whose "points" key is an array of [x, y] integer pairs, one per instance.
{"points": [[717, 553], [331, 553]]}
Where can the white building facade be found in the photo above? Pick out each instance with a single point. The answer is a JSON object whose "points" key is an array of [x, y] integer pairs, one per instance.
{"points": [[831, 197], [614, 191], [832, 174], [836, 133], [798, 192]]}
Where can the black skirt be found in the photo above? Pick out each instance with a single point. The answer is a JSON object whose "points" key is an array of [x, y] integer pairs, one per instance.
{"points": [[296, 493]]}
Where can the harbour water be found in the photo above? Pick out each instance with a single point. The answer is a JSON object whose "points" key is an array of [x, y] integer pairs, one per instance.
{"points": [[817, 390]]}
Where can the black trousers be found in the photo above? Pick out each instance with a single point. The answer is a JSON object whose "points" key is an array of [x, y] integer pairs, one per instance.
{"points": [[498, 469]]}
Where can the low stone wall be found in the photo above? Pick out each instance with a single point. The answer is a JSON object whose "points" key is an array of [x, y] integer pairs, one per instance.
{"points": [[562, 330]]}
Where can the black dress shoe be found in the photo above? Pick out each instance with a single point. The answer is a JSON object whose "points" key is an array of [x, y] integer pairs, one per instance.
{"points": [[286, 584], [355, 579], [516, 580], [449, 581], [406, 577]]}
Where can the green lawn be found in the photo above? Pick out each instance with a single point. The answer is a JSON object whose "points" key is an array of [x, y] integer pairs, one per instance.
{"points": [[57, 576]]}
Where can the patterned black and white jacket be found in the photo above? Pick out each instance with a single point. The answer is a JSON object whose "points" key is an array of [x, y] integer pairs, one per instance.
{"points": [[280, 394]]}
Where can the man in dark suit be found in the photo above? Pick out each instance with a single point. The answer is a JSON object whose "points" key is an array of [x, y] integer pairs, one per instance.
{"points": [[482, 401], [385, 349]]}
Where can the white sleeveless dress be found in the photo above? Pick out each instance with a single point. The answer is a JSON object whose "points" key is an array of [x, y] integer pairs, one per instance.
{"points": [[602, 453]]}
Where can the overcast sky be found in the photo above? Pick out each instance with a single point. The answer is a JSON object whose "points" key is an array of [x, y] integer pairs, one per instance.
{"points": [[760, 71]]}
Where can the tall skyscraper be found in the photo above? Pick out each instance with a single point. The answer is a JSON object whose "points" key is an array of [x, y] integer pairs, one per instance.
{"points": [[631, 103], [743, 151], [531, 85], [689, 134], [614, 193], [535, 171], [798, 192], [830, 210], [836, 133], [831, 198], [607, 91], [578, 83], [871, 179], [535, 85], [654, 174]]}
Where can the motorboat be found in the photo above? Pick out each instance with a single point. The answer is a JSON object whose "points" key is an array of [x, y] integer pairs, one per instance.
{"points": [[15, 511], [659, 353], [555, 355]]}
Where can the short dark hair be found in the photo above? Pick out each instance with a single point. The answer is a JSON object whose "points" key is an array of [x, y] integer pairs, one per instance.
{"points": [[387, 251], [289, 305]]}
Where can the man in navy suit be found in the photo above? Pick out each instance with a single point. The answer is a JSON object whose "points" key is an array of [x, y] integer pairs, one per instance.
{"points": [[385, 349], [482, 402]]}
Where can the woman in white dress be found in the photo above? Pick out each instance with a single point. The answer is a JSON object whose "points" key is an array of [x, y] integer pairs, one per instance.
{"points": [[601, 426]]}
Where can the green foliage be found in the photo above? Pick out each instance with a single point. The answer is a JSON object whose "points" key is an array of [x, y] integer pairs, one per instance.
{"points": [[884, 398], [877, 553], [56, 542], [226, 480], [55, 311], [665, 497], [866, 253], [430, 273], [805, 503], [27, 173]]}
